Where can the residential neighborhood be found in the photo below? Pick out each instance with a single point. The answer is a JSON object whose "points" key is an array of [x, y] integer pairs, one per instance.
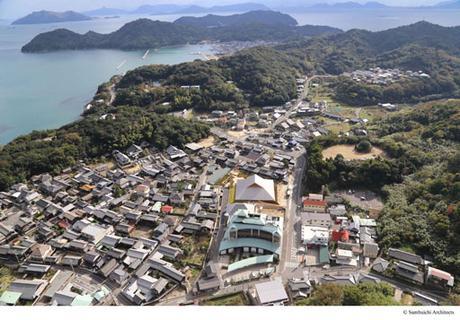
{"points": [[221, 217]]}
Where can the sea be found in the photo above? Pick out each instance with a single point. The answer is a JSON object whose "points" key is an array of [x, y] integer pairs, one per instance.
{"points": [[48, 90]]}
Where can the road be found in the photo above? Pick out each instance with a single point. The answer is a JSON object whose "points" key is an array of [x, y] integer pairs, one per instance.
{"points": [[299, 100], [288, 247]]}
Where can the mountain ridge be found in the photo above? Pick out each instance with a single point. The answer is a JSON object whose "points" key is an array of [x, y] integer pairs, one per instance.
{"points": [[43, 17]]}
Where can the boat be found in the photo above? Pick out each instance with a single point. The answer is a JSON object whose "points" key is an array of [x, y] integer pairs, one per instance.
{"points": [[145, 54]]}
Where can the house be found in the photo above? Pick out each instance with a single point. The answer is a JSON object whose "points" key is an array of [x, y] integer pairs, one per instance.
{"points": [[316, 219], [119, 275], [145, 288], [194, 147], [342, 235], [271, 293], [314, 205], [370, 250], [33, 268], [167, 209], [71, 260], [208, 285], [134, 151], [255, 188], [160, 230], [95, 233], [338, 279], [192, 225], [91, 258], [110, 241], [109, 267], [363, 278], [40, 252], [439, 277], [170, 252], [121, 158], [166, 268], [29, 289], [78, 245], [9, 298], [300, 287], [6, 232], [338, 210], [409, 272], [175, 153], [345, 257], [380, 265], [312, 235], [176, 198], [405, 256], [142, 190]]}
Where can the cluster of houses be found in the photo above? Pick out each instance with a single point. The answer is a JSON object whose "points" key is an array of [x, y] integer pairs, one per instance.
{"points": [[246, 118], [124, 223], [412, 268], [250, 157], [382, 76], [337, 237]]}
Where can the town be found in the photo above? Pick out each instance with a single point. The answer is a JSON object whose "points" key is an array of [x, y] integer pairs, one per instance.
{"points": [[382, 76], [221, 221]]}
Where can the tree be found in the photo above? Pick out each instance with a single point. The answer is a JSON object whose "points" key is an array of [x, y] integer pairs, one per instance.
{"points": [[364, 146], [327, 295]]}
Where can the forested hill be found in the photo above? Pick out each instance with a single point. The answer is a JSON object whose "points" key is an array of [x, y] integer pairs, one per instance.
{"points": [[266, 76], [260, 16], [145, 33], [343, 52]]}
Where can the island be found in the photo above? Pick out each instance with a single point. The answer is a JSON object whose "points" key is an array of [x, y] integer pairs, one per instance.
{"points": [[146, 34], [42, 17]]}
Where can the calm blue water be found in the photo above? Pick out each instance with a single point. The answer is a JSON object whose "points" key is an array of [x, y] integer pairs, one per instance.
{"points": [[41, 91], [377, 20]]}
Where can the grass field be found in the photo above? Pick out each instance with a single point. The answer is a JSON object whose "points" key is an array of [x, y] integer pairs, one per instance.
{"points": [[195, 249], [236, 299]]}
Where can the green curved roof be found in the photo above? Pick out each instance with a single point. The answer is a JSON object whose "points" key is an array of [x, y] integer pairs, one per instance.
{"points": [[250, 262], [249, 242]]}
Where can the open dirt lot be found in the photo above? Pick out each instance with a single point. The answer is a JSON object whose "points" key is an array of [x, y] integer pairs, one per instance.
{"points": [[349, 153], [207, 142]]}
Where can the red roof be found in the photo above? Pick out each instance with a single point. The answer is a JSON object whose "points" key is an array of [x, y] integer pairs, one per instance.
{"points": [[341, 235], [308, 202], [166, 209], [63, 224]]}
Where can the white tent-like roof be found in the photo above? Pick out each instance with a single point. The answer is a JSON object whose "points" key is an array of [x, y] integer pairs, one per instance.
{"points": [[255, 188]]}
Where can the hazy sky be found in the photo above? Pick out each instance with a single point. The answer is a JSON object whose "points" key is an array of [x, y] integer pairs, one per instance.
{"points": [[15, 8]]}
